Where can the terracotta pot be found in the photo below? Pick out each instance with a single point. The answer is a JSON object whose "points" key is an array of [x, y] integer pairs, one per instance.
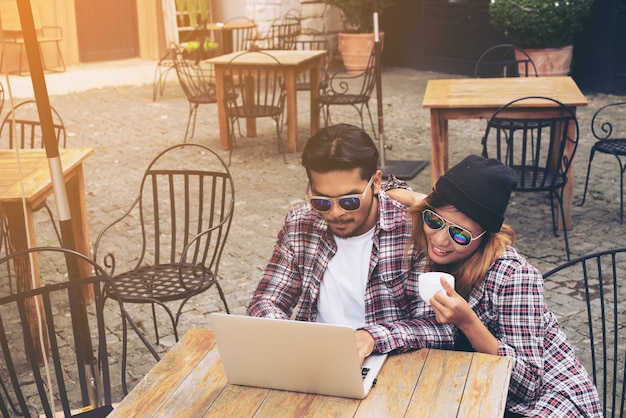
{"points": [[551, 61], [355, 49]]}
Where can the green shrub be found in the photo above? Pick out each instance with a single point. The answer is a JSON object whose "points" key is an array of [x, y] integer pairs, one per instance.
{"points": [[539, 23]]}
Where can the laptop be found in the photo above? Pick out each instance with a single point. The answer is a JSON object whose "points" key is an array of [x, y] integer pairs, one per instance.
{"points": [[293, 355]]}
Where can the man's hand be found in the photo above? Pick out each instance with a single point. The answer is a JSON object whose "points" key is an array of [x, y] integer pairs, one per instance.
{"points": [[364, 343]]}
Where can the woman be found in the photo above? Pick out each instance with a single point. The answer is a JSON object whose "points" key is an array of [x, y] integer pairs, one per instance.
{"points": [[498, 304]]}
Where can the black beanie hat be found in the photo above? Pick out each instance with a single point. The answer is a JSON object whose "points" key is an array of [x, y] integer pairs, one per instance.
{"points": [[480, 188]]}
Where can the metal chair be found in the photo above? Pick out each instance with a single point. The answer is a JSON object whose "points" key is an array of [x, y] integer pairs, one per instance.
{"points": [[198, 82], [610, 132], [312, 41], [341, 89], [167, 61], [504, 60], [283, 33], [540, 148], [242, 37], [597, 278], [56, 346], [12, 34], [181, 217], [21, 128], [253, 93]]}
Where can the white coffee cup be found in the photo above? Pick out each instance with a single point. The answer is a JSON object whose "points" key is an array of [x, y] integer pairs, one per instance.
{"points": [[429, 284]]}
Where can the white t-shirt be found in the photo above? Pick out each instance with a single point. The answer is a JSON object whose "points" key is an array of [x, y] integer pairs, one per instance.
{"points": [[342, 291]]}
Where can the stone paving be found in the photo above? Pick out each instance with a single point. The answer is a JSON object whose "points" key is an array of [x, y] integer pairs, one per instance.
{"points": [[127, 129]]}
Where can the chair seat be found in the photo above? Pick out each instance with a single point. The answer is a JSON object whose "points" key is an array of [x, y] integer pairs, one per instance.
{"points": [[203, 99], [611, 146], [161, 282], [540, 181], [343, 99], [256, 111]]}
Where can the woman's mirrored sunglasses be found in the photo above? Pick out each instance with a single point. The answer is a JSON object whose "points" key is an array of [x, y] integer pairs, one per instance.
{"points": [[348, 202], [459, 235]]}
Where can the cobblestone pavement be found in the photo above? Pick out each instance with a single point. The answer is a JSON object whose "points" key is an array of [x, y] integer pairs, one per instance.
{"points": [[126, 129]]}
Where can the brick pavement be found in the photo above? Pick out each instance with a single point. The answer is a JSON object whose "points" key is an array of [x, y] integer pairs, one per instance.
{"points": [[127, 129]]}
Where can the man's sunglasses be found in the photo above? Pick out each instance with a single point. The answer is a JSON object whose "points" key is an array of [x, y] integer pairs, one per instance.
{"points": [[348, 202], [459, 235]]}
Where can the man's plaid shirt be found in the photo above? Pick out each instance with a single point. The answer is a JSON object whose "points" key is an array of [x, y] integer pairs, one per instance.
{"points": [[396, 316]]}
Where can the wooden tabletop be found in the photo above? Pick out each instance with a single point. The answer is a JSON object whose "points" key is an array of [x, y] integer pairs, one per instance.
{"points": [[285, 57], [33, 169], [190, 381], [495, 92], [231, 25]]}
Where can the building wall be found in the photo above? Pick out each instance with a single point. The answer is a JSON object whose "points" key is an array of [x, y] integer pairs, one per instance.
{"points": [[62, 13]]}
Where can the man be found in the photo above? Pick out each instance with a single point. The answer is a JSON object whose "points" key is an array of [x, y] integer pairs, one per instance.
{"points": [[341, 258]]}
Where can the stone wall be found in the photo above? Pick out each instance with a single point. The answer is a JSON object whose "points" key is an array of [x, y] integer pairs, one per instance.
{"points": [[317, 16]]}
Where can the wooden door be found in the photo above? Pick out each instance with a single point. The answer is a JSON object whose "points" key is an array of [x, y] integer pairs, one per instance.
{"points": [[107, 30]]}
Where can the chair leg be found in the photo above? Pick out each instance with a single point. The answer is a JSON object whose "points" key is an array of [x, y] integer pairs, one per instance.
{"points": [[154, 322], [560, 203], [622, 169], [587, 179], [193, 110], [52, 221], [281, 149], [371, 121]]}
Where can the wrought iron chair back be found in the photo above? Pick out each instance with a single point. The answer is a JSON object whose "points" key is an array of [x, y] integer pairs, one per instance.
{"points": [[539, 147], [504, 60], [28, 135], [313, 41], [284, 33], [341, 89], [198, 82], [182, 218], [243, 37], [597, 280], [609, 130], [56, 346], [254, 92]]}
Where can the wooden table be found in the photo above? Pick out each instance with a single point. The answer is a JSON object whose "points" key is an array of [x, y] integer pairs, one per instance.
{"points": [[479, 98], [35, 179], [189, 381], [292, 63]]}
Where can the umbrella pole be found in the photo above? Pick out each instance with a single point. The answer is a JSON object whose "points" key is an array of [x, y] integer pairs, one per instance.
{"points": [[405, 170], [56, 174]]}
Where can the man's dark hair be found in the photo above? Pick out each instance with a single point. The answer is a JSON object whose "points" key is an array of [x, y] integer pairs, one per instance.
{"points": [[340, 147]]}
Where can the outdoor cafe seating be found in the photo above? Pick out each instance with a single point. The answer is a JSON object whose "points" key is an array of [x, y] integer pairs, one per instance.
{"points": [[182, 216], [253, 93], [341, 89], [21, 128], [198, 83], [610, 134], [59, 359], [539, 148], [598, 282]]}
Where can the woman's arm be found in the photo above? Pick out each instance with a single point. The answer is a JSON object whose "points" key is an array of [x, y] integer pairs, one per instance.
{"points": [[406, 197]]}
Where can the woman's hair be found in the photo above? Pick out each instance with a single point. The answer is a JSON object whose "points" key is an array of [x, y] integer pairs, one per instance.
{"points": [[471, 271], [340, 147]]}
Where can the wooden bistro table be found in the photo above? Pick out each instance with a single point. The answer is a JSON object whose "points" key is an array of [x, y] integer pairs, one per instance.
{"points": [[189, 381], [479, 98], [292, 63], [35, 179]]}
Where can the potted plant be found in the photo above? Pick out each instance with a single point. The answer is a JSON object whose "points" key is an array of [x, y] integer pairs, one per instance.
{"points": [[357, 39], [544, 27]]}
